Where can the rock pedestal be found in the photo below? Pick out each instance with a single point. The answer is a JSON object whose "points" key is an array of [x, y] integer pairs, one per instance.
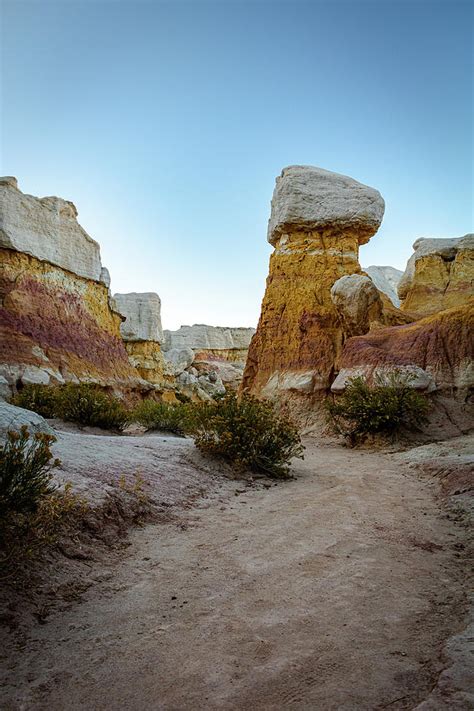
{"points": [[318, 220]]}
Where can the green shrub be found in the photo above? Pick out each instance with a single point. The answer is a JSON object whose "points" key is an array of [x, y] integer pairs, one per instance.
{"points": [[25, 471], [248, 432], [162, 416], [39, 398], [89, 404], [386, 407]]}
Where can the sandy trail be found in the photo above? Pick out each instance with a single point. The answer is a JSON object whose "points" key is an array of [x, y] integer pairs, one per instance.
{"points": [[333, 591]]}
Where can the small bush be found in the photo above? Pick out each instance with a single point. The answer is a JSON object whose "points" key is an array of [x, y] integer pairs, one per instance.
{"points": [[39, 398], [161, 416], [384, 408], [89, 404], [25, 471], [248, 432]]}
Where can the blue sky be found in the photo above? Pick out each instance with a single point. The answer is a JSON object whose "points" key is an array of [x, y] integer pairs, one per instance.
{"points": [[166, 124]]}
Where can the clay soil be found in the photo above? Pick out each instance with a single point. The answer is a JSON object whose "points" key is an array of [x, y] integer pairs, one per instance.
{"points": [[336, 590]]}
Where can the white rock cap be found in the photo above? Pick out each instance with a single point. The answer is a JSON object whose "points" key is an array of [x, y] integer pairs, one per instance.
{"points": [[309, 198], [142, 313], [386, 279], [46, 228], [200, 336]]}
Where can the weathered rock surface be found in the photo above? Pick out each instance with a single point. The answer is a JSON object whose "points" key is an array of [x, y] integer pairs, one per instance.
{"points": [[220, 341], [142, 312], [178, 359], [313, 199], [441, 345], [386, 279], [12, 418], [439, 275], [318, 220], [47, 228], [358, 302], [56, 323]]}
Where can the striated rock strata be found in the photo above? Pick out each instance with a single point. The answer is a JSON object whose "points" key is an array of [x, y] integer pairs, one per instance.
{"points": [[438, 350], [318, 220], [438, 276], [56, 320], [142, 333]]}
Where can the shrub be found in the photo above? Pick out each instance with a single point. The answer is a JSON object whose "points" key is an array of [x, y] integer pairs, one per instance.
{"points": [[39, 398], [89, 404], [248, 432], [161, 416], [384, 408], [25, 471]]}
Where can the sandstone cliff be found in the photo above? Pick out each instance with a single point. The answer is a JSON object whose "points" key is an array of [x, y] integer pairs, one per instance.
{"points": [[56, 320], [438, 276], [318, 220], [438, 350], [208, 357], [143, 334]]}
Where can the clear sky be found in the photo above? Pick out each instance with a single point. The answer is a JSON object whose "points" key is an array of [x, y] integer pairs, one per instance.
{"points": [[166, 124]]}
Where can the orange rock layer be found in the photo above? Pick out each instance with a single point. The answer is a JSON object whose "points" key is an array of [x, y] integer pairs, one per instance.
{"points": [[59, 322], [441, 344], [299, 331]]}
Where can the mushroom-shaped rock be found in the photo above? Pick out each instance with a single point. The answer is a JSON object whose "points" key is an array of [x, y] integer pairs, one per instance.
{"points": [[439, 275], [142, 314], [318, 220], [313, 199], [358, 302]]}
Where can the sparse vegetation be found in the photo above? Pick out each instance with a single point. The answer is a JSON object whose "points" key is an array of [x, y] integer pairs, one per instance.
{"points": [[32, 509], [89, 404], [38, 398], [162, 416], [386, 407], [84, 403], [247, 432], [25, 471]]}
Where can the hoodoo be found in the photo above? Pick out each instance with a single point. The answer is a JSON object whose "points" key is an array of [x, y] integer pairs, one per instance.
{"points": [[318, 221]]}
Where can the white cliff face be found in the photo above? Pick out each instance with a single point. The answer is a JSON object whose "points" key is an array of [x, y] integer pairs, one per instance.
{"points": [[309, 198], [386, 279], [202, 337], [47, 228], [142, 316]]}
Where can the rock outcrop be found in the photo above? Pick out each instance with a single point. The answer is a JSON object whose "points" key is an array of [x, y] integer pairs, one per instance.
{"points": [[142, 333], [386, 279], [211, 342], [318, 220], [438, 350], [56, 319], [358, 303], [439, 275], [213, 357], [13, 418]]}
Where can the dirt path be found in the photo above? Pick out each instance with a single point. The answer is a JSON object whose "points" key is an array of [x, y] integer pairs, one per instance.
{"points": [[334, 591]]}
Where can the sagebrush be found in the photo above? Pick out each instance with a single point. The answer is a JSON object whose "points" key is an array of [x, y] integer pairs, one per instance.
{"points": [[162, 416], [386, 407], [247, 432]]}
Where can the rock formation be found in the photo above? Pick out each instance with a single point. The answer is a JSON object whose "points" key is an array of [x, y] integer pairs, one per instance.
{"points": [[318, 220], [212, 356], [142, 334], [386, 279], [358, 303], [56, 320], [438, 350], [439, 275]]}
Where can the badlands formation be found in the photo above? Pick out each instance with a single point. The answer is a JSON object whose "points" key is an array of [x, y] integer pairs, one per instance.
{"points": [[324, 320], [59, 322]]}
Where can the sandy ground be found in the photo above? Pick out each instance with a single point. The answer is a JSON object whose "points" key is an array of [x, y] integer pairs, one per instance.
{"points": [[337, 590]]}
